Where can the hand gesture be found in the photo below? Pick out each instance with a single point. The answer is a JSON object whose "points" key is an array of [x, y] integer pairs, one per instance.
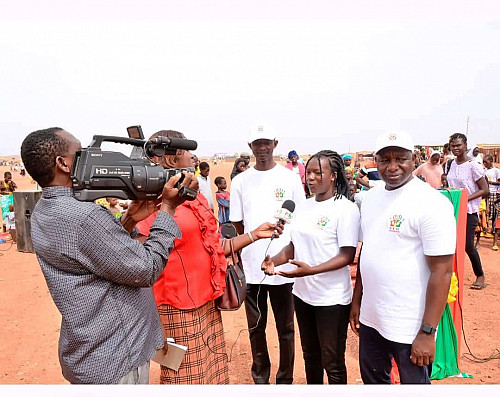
{"points": [[268, 266], [267, 230], [302, 269], [423, 349]]}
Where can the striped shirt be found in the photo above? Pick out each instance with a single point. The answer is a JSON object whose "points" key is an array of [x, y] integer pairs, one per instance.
{"points": [[98, 277]]}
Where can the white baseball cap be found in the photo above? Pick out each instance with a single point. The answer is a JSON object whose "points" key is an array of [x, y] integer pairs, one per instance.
{"points": [[261, 131], [397, 139]]}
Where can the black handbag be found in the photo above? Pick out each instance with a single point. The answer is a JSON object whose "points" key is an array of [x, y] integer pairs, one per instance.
{"points": [[236, 285]]}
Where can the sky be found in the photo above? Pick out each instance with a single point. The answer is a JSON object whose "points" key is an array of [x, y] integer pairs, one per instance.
{"points": [[324, 74]]}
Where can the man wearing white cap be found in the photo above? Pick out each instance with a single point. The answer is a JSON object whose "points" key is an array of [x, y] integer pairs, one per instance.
{"points": [[256, 195], [408, 234]]}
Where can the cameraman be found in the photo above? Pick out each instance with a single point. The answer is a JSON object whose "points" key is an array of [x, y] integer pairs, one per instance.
{"points": [[95, 271]]}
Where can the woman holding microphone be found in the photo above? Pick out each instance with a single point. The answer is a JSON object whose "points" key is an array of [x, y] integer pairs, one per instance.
{"points": [[324, 236]]}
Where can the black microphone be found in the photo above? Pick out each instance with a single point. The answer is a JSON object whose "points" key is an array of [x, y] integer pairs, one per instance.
{"points": [[284, 214]]}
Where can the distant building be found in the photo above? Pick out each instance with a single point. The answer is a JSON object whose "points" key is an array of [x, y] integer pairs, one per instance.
{"points": [[492, 149]]}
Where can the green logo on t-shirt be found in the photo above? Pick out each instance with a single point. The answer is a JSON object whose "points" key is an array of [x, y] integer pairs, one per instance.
{"points": [[395, 222]]}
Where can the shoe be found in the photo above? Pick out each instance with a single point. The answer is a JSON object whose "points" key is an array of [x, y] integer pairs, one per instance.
{"points": [[488, 235], [482, 234], [478, 285], [495, 248]]}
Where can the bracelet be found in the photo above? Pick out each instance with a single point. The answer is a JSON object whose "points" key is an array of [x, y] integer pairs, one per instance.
{"points": [[251, 237]]}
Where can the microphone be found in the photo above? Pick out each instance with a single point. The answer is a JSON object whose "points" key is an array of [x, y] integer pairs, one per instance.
{"points": [[284, 214]]}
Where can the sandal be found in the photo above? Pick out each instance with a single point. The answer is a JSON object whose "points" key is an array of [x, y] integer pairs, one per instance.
{"points": [[495, 248], [478, 285]]}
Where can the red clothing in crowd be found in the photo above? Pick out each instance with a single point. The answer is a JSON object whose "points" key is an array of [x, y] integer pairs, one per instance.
{"points": [[203, 262]]}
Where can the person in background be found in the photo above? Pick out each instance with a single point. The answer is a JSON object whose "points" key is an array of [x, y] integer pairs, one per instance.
{"points": [[408, 232], [482, 223], [370, 171], [113, 206], [476, 155], [296, 167], [465, 173], [352, 191], [496, 226], [7, 188], [324, 236], [204, 182], [349, 174], [196, 164], [238, 167], [444, 181], [431, 170], [223, 199], [10, 223], [347, 158], [492, 174], [246, 156], [446, 152]]}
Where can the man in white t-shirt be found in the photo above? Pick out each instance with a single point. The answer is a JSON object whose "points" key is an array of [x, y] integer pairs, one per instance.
{"points": [[256, 195], [409, 236]]}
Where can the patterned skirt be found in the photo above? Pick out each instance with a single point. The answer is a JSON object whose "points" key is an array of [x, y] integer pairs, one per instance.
{"points": [[492, 208], [201, 331]]}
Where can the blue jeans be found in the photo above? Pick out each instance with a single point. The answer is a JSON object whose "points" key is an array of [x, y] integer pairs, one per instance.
{"points": [[375, 354]]}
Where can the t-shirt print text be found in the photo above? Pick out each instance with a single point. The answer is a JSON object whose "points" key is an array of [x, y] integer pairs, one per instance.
{"points": [[394, 223]]}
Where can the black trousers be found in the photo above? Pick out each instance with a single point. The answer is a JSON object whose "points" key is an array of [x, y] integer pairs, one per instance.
{"points": [[375, 354], [470, 231], [323, 334], [256, 310]]}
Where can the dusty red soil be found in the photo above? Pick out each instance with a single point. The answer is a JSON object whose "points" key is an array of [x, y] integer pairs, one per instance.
{"points": [[30, 324]]}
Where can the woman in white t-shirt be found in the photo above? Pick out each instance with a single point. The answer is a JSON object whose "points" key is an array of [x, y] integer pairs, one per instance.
{"points": [[324, 236], [466, 173]]}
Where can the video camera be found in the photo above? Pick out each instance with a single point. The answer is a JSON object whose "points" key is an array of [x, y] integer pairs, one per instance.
{"points": [[96, 173]]}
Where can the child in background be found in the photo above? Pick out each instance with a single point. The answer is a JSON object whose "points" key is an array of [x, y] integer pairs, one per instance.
{"points": [[492, 174], [113, 206], [444, 181], [222, 197], [496, 226], [352, 190], [483, 221], [10, 223], [204, 183]]}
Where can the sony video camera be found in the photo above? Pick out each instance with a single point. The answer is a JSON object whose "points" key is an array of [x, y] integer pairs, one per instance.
{"points": [[96, 173]]}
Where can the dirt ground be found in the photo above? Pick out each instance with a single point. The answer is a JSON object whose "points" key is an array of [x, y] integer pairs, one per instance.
{"points": [[30, 324]]}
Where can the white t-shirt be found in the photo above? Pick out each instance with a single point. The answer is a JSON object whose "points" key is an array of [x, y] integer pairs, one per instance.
{"points": [[10, 220], [398, 229], [318, 232], [256, 196], [206, 189], [465, 176], [492, 175]]}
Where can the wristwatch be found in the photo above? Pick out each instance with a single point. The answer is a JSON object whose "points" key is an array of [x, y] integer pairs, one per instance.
{"points": [[427, 329]]}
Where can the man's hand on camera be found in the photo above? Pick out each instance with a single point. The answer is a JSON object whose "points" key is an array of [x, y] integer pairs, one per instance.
{"points": [[170, 198]]}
